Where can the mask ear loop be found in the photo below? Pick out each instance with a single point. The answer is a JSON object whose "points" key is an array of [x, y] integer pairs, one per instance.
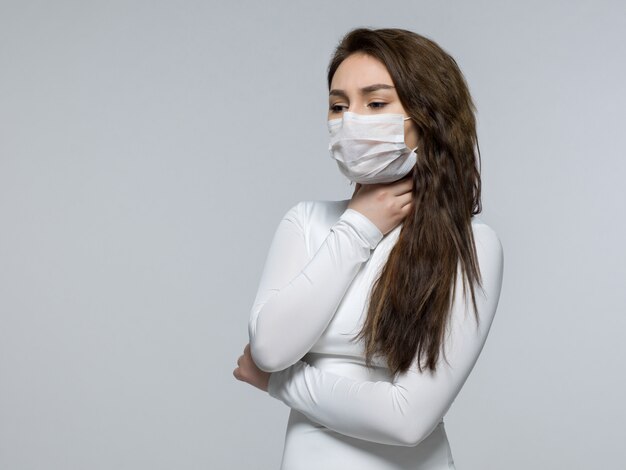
{"points": [[406, 118]]}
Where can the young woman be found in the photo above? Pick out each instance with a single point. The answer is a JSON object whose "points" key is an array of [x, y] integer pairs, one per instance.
{"points": [[372, 311]]}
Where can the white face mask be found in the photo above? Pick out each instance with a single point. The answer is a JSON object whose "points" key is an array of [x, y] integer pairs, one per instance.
{"points": [[370, 148]]}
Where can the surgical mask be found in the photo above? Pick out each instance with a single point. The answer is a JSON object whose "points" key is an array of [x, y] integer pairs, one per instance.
{"points": [[370, 148]]}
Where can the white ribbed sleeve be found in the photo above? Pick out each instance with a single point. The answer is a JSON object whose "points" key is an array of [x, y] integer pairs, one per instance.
{"points": [[402, 412], [297, 296]]}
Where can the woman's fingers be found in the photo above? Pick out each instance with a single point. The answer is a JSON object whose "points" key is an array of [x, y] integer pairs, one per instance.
{"points": [[403, 192], [403, 185]]}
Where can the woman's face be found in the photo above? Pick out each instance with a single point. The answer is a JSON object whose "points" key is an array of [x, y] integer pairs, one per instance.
{"points": [[362, 85]]}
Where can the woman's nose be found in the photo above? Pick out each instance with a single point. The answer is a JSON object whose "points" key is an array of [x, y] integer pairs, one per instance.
{"points": [[357, 108]]}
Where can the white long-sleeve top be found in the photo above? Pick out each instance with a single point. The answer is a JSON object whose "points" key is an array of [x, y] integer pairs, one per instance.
{"points": [[311, 301]]}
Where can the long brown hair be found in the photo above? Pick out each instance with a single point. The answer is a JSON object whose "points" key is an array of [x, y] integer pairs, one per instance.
{"points": [[410, 302]]}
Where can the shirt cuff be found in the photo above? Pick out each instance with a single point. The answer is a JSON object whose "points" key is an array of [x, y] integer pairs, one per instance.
{"points": [[280, 381], [270, 383], [273, 384], [368, 229]]}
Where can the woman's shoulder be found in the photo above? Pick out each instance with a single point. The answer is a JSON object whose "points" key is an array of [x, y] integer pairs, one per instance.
{"points": [[487, 238], [315, 210]]}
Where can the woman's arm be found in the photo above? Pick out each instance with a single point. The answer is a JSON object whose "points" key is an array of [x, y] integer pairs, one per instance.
{"points": [[405, 411], [297, 296]]}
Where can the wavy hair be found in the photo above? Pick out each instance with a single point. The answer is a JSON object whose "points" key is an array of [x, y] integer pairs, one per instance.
{"points": [[410, 303]]}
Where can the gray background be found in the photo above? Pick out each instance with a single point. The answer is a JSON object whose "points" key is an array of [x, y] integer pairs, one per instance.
{"points": [[147, 152]]}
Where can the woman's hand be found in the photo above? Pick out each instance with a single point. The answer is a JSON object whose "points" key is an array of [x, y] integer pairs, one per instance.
{"points": [[385, 204], [247, 371]]}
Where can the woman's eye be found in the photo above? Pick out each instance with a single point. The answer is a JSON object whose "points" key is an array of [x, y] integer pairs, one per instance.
{"points": [[377, 104], [336, 108]]}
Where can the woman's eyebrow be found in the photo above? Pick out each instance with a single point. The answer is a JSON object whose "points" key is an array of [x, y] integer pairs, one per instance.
{"points": [[365, 90]]}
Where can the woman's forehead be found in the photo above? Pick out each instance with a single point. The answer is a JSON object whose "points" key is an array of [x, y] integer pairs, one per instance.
{"points": [[360, 70]]}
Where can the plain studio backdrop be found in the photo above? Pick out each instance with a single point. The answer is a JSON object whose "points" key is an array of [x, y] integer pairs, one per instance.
{"points": [[147, 152]]}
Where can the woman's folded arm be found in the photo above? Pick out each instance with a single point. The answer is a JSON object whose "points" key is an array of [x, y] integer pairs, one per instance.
{"points": [[406, 410], [298, 294]]}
